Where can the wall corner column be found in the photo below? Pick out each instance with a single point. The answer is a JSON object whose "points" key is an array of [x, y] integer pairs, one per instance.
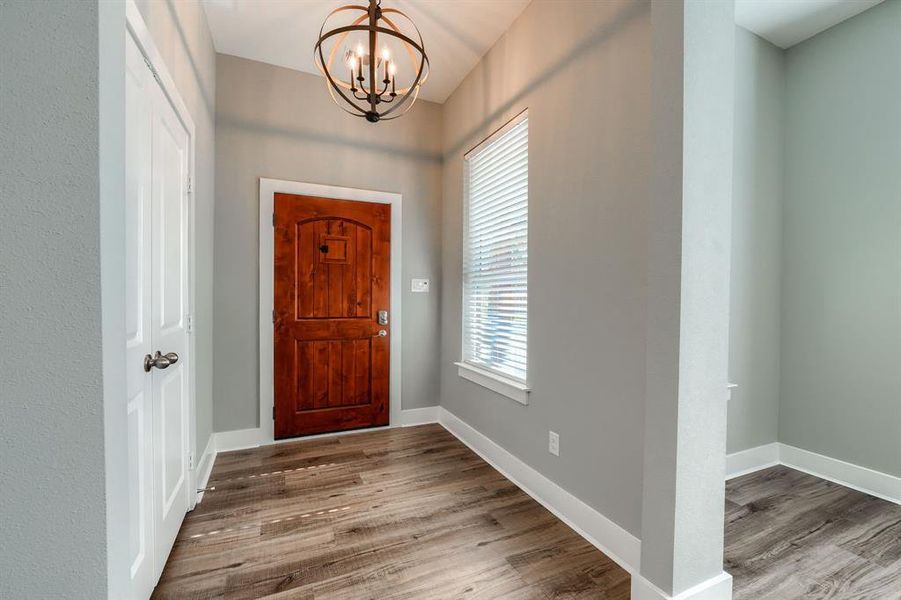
{"points": [[688, 308]]}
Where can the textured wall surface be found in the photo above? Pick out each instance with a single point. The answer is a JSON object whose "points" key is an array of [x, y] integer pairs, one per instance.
{"points": [[277, 123], [583, 71], [841, 310], [181, 34], [756, 242], [52, 495], [688, 316]]}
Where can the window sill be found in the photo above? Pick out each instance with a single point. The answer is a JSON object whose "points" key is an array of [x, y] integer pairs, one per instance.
{"points": [[504, 386]]}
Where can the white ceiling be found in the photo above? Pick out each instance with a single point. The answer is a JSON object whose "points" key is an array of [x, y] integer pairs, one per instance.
{"points": [[457, 33], [788, 22]]}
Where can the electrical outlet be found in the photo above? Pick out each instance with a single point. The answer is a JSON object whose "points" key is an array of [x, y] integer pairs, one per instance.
{"points": [[553, 443]]}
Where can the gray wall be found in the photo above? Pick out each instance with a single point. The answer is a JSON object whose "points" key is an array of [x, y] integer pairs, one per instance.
{"points": [[756, 242], [841, 310], [278, 123], [52, 496], [182, 36], [583, 71]]}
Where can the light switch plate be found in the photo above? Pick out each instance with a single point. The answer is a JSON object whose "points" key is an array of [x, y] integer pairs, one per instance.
{"points": [[420, 286]]}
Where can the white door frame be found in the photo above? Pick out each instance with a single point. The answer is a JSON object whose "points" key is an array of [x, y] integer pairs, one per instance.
{"points": [[141, 34], [268, 189]]}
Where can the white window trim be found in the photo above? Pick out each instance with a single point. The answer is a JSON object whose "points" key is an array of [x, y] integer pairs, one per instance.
{"points": [[511, 388]]}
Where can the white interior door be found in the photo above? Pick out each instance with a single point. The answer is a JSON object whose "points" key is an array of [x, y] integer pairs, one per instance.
{"points": [[138, 326], [168, 327], [157, 219]]}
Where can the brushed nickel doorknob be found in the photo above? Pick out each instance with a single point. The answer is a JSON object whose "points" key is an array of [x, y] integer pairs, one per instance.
{"points": [[159, 360], [381, 333]]}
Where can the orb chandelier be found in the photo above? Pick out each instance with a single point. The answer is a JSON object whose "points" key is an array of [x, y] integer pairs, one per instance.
{"points": [[361, 61]]}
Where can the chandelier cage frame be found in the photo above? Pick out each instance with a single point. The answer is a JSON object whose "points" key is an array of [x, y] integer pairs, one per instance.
{"points": [[367, 105]]}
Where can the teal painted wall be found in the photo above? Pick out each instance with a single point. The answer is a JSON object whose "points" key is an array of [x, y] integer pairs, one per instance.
{"points": [[754, 331], [841, 272]]}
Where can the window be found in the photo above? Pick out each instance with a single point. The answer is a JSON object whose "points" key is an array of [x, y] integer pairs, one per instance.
{"points": [[495, 260]]}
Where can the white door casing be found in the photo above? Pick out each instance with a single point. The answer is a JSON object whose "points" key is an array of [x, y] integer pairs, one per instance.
{"points": [[268, 189]]}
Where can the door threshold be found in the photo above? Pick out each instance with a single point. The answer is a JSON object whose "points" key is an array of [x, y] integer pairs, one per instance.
{"points": [[317, 436]]}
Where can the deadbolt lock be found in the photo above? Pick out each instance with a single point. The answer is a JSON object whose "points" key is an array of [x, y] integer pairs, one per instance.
{"points": [[383, 317]]}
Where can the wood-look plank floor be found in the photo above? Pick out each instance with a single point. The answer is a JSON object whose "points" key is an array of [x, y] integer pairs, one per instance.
{"points": [[391, 514], [790, 536]]}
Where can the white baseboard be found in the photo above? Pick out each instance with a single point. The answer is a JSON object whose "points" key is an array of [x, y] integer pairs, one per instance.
{"points": [[205, 466], [237, 439], [715, 588], [856, 477], [862, 479], [241, 439], [418, 416], [611, 539], [751, 460]]}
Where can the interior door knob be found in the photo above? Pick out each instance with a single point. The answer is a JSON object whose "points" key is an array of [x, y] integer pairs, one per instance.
{"points": [[159, 360], [381, 333]]}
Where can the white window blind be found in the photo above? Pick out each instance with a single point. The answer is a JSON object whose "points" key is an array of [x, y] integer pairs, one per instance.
{"points": [[496, 252]]}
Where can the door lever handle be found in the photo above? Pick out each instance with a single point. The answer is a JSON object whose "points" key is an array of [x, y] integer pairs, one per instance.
{"points": [[381, 333], [159, 360]]}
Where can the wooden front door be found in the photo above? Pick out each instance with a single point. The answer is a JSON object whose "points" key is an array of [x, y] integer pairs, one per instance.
{"points": [[332, 267]]}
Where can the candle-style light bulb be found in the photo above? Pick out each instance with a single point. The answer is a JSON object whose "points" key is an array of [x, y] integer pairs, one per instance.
{"points": [[350, 65], [359, 61], [386, 58], [392, 70]]}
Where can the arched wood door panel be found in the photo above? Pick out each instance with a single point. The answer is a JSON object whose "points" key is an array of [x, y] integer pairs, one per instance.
{"points": [[332, 266]]}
